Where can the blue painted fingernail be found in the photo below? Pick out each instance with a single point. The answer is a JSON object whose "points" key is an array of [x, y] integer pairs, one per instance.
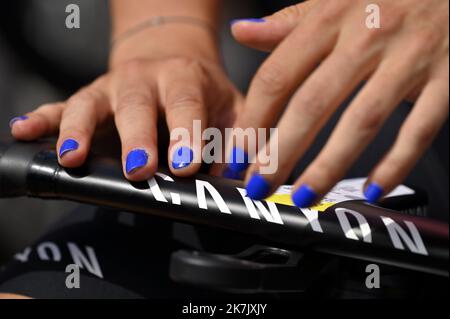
{"points": [[257, 188], [251, 20], [373, 193], [238, 161], [182, 157], [69, 145], [17, 119], [304, 196], [136, 159], [230, 174]]}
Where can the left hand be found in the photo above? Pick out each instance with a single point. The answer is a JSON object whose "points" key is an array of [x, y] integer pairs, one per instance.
{"points": [[407, 57]]}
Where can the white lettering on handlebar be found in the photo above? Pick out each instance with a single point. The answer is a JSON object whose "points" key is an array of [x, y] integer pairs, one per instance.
{"points": [[350, 232], [254, 206], [201, 186], [396, 232], [398, 236]]}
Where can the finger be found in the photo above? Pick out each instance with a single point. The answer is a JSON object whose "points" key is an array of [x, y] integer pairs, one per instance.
{"points": [[219, 167], [359, 124], [84, 111], [182, 94], [280, 75], [307, 112], [41, 122], [135, 114], [265, 34], [417, 133]]}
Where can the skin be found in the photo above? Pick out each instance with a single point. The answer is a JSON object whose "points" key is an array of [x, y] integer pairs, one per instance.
{"points": [[181, 78], [178, 75], [12, 296], [407, 58]]}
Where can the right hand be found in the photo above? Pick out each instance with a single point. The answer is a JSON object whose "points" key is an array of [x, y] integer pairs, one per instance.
{"points": [[133, 93]]}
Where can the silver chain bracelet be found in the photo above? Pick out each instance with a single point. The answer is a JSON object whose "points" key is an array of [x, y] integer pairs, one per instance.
{"points": [[161, 20]]}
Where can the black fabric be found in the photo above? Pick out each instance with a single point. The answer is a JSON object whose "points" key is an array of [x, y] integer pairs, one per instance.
{"points": [[132, 253]]}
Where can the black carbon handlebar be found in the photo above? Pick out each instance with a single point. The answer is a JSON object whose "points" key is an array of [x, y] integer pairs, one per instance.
{"points": [[352, 229]]}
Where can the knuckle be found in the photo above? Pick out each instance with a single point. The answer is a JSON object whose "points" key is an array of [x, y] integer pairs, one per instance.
{"points": [[424, 42], [311, 104], [351, 54], [290, 12], [187, 98], [272, 78], [355, 54], [75, 130], [427, 40], [129, 113], [367, 39], [367, 119], [421, 133], [392, 21], [129, 107], [45, 106], [48, 107], [132, 100], [331, 12], [101, 81], [84, 98], [362, 50], [413, 59], [327, 18]]}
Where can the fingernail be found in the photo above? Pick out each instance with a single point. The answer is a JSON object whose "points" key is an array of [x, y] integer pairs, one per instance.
{"points": [[251, 20], [136, 159], [69, 145], [182, 157], [373, 193], [17, 119], [238, 161], [304, 196], [230, 174], [257, 188]]}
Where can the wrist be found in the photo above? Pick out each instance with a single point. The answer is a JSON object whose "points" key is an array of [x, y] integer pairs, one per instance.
{"points": [[166, 40]]}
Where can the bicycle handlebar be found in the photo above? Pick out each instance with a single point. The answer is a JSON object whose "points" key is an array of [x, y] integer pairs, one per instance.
{"points": [[351, 229]]}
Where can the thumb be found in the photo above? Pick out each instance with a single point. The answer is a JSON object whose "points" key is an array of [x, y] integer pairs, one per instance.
{"points": [[266, 33]]}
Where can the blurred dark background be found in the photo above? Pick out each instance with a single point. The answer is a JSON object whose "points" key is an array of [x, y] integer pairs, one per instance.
{"points": [[43, 61]]}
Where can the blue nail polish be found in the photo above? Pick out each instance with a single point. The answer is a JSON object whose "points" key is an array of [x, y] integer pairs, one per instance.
{"points": [[304, 196], [230, 174], [373, 193], [238, 161], [136, 159], [17, 119], [69, 145], [257, 188], [182, 157], [251, 20]]}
